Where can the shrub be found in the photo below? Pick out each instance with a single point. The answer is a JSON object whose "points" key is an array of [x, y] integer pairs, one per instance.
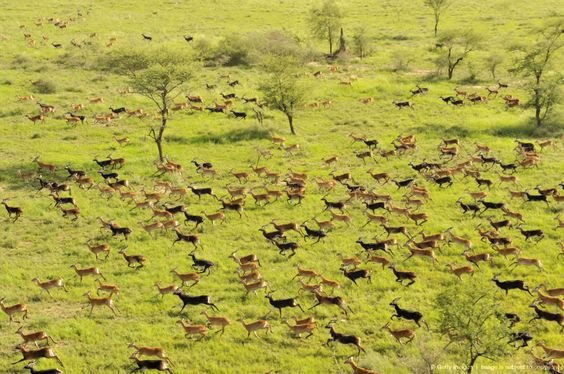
{"points": [[45, 87]]}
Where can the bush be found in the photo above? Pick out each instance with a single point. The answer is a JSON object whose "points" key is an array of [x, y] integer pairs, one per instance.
{"points": [[45, 87]]}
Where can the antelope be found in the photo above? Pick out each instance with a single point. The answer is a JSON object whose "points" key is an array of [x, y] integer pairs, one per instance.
{"points": [[512, 214], [43, 166], [329, 282], [475, 259], [458, 239], [157, 225], [111, 288], [324, 225], [29, 354], [378, 259], [253, 276], [399, 334], [341, 218], [96, 100], [100, 301], [12, 210], [349, 261], [34, 337], [84, 272], [357, 369], [148, 351], [528, 262], [49, 284], [461, 270], [309, 287], [253, 327], [222, 322], [551, 352], [305, 273], [254, 287], [290, 226], [511, 251], [187, 277], [331, 300], [38, 117], [414, 251], [189, 330], [546, 299], [97, 249], [218, 216], [342, 338], [134, 261], [166, 290], [299, 329], [13, 309]]}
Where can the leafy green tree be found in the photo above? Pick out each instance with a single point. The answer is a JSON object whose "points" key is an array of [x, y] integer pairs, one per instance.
{"points": [[492, 62], [360, 42], [534, 63], [438, 7], [325, 22], [282, 90], [157, 75], [470, 318], [456, 46]]}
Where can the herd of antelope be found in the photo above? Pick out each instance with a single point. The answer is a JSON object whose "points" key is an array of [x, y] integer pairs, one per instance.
{"points": [[486, 227]]}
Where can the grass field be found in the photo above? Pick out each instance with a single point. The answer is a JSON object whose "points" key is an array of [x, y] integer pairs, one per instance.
{"points": [[44, 244]]}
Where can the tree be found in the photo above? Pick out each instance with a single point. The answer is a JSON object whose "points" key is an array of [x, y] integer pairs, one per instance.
{"points": [[492, 62], [282, 90], [471, 320], [456, 47], [360, 42], [325, 22], [438, 7], [157, 75], [534, 62]]}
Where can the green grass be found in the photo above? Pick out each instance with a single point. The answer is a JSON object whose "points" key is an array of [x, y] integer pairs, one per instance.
{"points": [[44, 244]]}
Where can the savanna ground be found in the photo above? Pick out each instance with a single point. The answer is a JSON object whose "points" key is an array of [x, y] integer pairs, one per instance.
{"points": [[44, 244]]}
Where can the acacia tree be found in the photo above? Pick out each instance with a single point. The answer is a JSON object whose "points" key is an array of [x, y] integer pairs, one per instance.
{"points": [[438, 7], [492, 62], [325, 22], [456, 46], [282, 90], [534, 63], [157, 75], [471, 320]]}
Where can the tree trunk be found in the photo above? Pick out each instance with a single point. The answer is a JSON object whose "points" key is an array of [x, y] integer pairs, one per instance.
{"points": [[450, 71], [436, 24], [291, 122], [159, 137], [473, 360], [330, 36]]}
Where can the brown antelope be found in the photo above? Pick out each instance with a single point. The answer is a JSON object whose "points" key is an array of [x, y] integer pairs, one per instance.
{"points": [[528, 262], [324, 225], [254, 287], [298, 329], [253, 327], [329, 282], [508, 251], [84, 272], [190, 330], [253, 276], [187, 277], [133, 261], [305, 273], [357, 369], [547, 299], [26, 98], [415, 251], [551, 352], [221, 322], [341, 218], [378, 259], [309, 287], [148, 351], [13, 309], [475, 259], [458, 239], [399, 334], [349, 261], [100, 301], [166, 290], [97, 249], [43, 166], [96, 100], [30, 354], [149, 228], [218, 216], [111, 288], [34, 337], [49, 284], [278, 140], [461, 270]]}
